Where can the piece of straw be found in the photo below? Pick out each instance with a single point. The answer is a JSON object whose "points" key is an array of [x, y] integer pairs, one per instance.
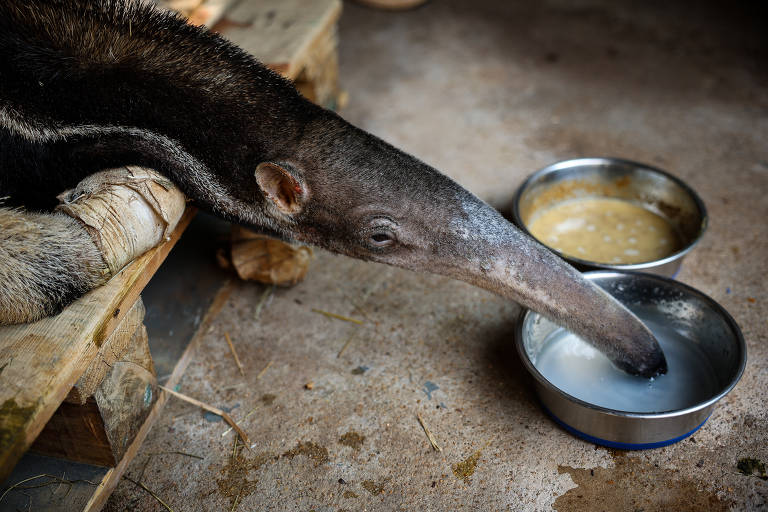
{"points": [[345, 346], [429, 434], [232, 348], [237, 499], [158, 498], [212, 409], [354, 304], [56, 479], [244, 418], [263, 371], [338, 317]]}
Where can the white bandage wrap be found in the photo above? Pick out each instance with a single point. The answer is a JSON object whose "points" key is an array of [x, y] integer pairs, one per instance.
{"points": [[127, 211]]}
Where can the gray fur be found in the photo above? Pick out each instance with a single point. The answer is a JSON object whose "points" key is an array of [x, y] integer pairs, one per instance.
{"points": [[46, 260]]}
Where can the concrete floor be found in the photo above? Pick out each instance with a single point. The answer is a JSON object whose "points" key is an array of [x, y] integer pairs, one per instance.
{"points": [[488, 91]]}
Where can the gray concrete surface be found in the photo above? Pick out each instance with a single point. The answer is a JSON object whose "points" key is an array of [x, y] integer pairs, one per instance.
{"points": [[488, 91]]}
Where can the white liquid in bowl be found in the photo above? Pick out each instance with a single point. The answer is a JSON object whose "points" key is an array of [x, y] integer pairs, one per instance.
{"points": [[575, 367]]}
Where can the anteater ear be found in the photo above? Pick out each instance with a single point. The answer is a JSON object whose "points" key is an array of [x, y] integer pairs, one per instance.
{"points": [[281, 184]]}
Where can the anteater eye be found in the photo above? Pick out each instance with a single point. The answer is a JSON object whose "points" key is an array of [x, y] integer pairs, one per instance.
{"points": [[382, 239]]}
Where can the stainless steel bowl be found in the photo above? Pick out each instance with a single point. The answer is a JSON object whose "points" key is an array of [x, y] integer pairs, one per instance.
{"points": [[647, 186], [677, 306]]}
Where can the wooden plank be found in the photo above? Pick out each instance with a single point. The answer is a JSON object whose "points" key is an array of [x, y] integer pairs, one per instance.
{"points": [[127, 395], [40, 362], [280, 33], [319, 80]]}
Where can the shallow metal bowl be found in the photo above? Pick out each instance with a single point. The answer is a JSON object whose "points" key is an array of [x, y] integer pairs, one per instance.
{"points": [[647, 186], [677, 306]]}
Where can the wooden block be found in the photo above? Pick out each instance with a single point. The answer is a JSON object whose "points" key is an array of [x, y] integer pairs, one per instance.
{"points": [[112, 478], [100, 429], [41, 361]]}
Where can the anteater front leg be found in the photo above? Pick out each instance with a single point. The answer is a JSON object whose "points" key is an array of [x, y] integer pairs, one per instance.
{"points": [[47, 260]]}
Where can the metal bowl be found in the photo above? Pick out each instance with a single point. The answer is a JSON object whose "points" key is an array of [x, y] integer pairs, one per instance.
{"points": [[646, 186], [696, 318]]}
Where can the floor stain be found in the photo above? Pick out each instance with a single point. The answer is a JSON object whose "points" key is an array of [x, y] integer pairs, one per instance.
{"points": [[429, 387], [635, 485], [314, 451], [372, 487], [235, 484], [352, 439], [752, 467], [466, 468]]}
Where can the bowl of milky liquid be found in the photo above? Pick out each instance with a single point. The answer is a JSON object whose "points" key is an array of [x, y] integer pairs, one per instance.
{"points": [[608, 213], [589, 397]]}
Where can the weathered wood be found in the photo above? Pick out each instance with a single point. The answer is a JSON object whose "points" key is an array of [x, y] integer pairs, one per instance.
{"points": [[110, 351], [318, 80], [76, 432], [280, 33], [127, 394], [40, 362], [104, 410], [198, 12]]}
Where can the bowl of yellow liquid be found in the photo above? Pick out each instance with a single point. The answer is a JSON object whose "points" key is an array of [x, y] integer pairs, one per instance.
{"points": [[613, 214]]}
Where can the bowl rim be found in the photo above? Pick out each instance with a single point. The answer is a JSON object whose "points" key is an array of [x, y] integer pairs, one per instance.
{"points": [[742, 346], [592, 161]]}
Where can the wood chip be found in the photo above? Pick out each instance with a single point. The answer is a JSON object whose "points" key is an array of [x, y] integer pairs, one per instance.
{"points": [[429, 434], [232, 348], [214, 410]]}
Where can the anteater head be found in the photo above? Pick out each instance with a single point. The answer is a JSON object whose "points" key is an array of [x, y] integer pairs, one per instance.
{"points": [[348, 191]]}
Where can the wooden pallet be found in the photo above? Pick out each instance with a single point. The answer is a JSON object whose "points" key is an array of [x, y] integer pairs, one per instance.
{"points": [[42, 361]]}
